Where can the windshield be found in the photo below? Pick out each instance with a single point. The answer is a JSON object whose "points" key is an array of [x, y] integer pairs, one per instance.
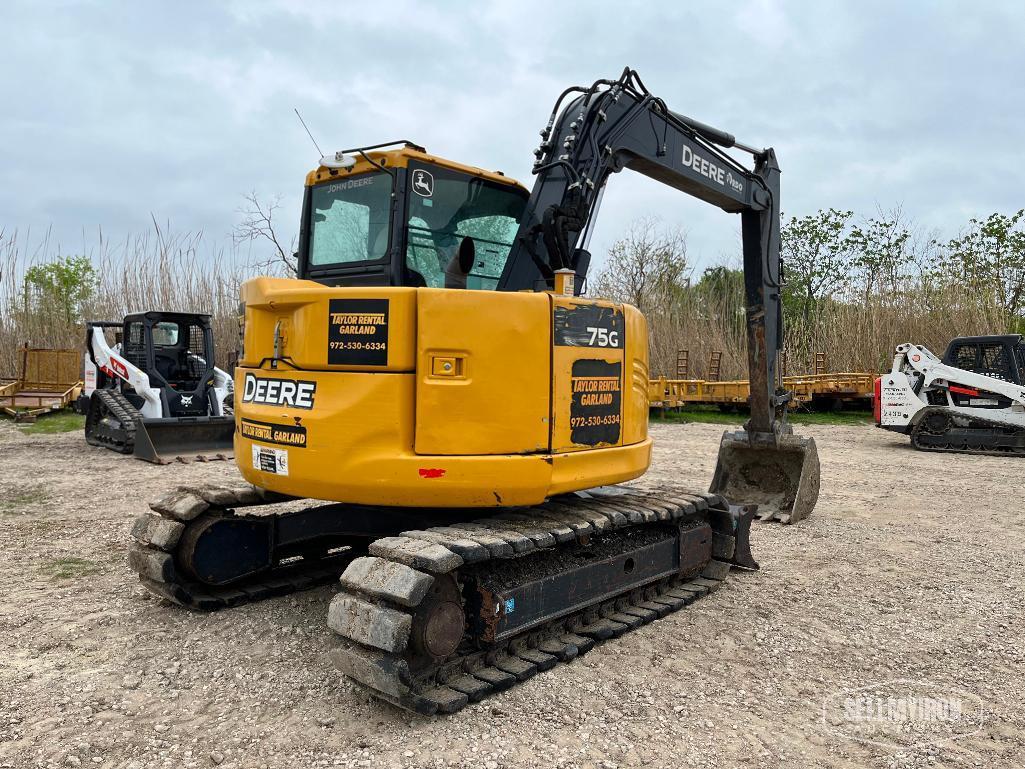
{"points": [[165, 334], [444, 208], [349, 220]]}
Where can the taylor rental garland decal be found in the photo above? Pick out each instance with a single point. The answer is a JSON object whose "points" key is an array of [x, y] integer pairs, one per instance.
{"points": [[267, 432], [596, 406], [357, 332]]}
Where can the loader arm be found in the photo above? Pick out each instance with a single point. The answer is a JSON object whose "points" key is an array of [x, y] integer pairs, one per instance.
{"points": [[113, 364], [617, 124]]}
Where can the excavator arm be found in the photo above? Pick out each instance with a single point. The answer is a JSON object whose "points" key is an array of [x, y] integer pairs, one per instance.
{"points": [[618, 124]]}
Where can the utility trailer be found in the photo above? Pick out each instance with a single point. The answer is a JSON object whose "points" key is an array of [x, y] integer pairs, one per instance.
{"points": [[48, 380]]}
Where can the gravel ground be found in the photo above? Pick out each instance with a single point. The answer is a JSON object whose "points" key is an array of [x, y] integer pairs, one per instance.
{"points": [[910, 568]]}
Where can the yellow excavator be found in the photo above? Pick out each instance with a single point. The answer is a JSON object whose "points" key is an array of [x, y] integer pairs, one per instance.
{"points": [[437, 375]]}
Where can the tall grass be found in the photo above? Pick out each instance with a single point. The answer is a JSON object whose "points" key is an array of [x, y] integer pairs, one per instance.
{"points": [[159, 270], [855, 335], [183, 271]]}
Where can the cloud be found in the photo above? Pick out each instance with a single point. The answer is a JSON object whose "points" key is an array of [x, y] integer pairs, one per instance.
{"points": [[112, 112]]}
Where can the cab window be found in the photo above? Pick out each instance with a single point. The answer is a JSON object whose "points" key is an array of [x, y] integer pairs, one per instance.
{"points": [[444, 207], [349, 220]]}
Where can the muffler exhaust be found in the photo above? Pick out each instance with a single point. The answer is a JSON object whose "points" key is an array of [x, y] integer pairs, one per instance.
{"points": [[781, 476]]}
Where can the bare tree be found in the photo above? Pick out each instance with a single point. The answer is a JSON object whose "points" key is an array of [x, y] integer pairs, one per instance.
{"points": [[258, 225], [647, 267]]}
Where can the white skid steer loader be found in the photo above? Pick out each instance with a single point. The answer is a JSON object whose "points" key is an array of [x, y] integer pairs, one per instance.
{"points": [[971, 401], [156, 393]]}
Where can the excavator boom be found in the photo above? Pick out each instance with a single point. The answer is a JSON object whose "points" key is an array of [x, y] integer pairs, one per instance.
{"points": [[615, 125], [437, 376]]}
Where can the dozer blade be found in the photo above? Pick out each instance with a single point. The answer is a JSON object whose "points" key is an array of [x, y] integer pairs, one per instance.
{"points": [[184, 439], [782, 479]]}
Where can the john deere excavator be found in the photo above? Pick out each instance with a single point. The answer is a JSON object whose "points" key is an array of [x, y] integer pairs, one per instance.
{"points": [[436, 370]]}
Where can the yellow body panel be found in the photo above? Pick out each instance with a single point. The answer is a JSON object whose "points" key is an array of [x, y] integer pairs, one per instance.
{"points": [[399, 158], [635, 400], [483, 372], [460, 408], [300, 313]]}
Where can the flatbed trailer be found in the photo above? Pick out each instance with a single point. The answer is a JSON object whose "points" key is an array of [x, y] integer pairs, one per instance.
{"points": [[48, 380], [846, 387]]}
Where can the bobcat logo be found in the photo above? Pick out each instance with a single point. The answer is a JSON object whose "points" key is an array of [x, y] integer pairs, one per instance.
{"points": [[423, 183], [186, 400]]}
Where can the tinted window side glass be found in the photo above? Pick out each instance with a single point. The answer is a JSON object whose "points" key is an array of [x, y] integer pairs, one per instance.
{"points": [[349, 220], [165, 334], [445, 207]]}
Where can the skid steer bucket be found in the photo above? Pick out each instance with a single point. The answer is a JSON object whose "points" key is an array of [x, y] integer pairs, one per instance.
{"points": [[782, 479], [185, 439]]}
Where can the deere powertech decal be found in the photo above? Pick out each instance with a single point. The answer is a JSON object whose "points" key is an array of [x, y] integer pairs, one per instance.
{"points": [[286, 435], [589, 325], [357, 332], [594, 412]]}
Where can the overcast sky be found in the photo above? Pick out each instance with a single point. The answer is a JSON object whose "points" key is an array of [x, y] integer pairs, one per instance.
{"points": [[113, 111]]}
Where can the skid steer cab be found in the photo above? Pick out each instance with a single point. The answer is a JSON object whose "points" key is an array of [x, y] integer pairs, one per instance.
{"points": [[155, 392]]}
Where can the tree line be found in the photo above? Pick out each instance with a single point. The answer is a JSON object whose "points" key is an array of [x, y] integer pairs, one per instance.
{"points": [[853, 288]]}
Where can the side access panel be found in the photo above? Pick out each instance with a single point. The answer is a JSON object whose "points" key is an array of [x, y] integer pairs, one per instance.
{"points": [[320, 328], [483, 371]]}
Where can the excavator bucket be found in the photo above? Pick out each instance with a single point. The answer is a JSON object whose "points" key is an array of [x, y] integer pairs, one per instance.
{"points": [[782, 478], [184, 439]]}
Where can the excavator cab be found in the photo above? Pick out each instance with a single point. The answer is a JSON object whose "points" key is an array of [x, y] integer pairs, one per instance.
{"points": [[401, 217]]}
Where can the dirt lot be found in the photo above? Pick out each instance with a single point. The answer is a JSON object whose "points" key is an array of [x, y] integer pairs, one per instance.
{"points": [[910, 569]]}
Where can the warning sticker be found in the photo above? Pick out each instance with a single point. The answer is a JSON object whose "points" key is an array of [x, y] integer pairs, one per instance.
{"points": [[270, 460], [357, 332], [288, 435], [596, 407]]}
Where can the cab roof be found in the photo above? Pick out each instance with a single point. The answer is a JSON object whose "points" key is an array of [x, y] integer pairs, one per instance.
{"points": [[399, 157]]}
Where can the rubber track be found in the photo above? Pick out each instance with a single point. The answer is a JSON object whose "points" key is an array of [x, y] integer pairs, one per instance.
{"points": [[381, 593], [156, 535], [992, 452], [125, 413]]}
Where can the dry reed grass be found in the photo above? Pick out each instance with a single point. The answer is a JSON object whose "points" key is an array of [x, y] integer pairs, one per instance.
{"points": [[159, 270]]}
